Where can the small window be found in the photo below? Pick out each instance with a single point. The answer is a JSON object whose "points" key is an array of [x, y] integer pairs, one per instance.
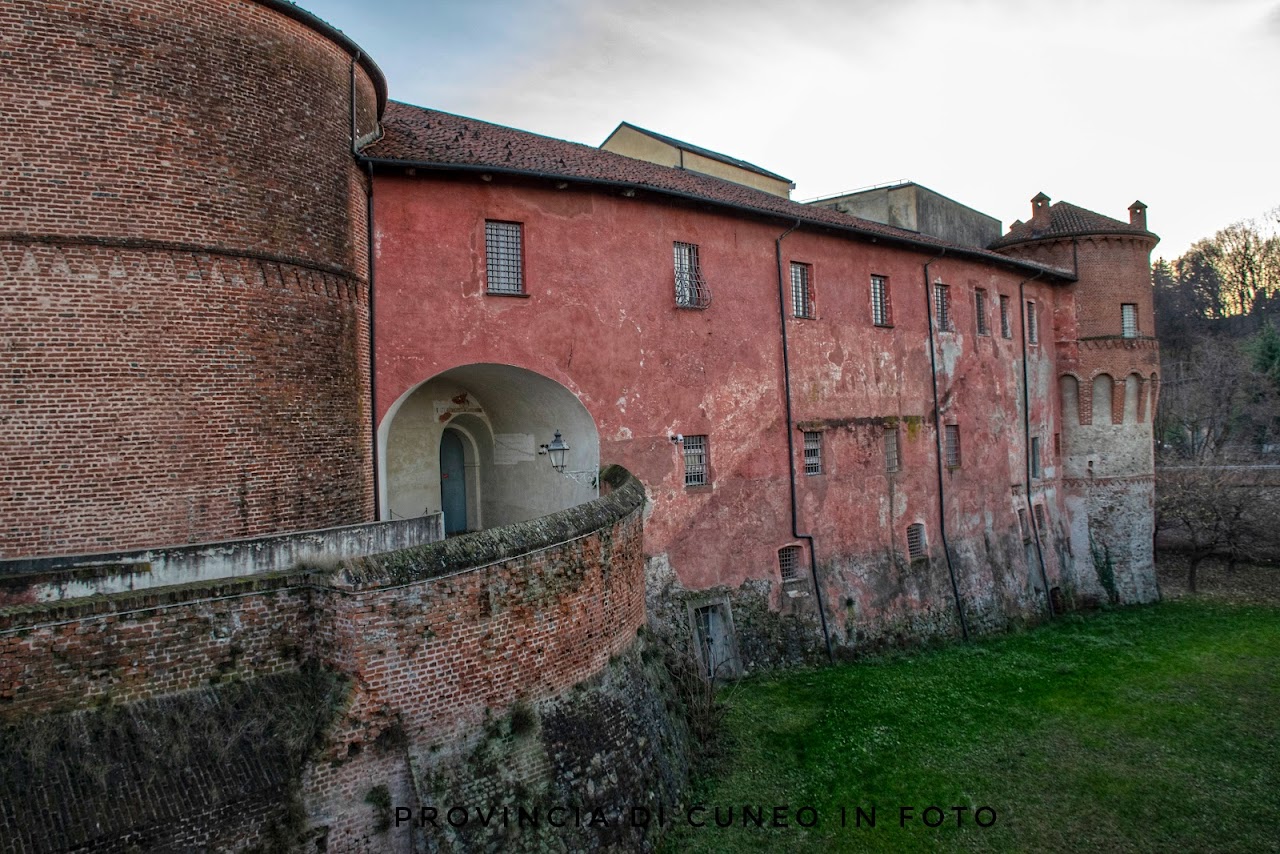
{"points": [[880, 313], [691, 290], [1024, 525], [1033, 327], [915, 541], [801, 290], [1006, 325], [504, 257], [1035, 456], [812, 452], [980, 311], [1039, 508], [942, 304], [789, 562], [952, 436], [695, 461], [1129, 320], [891, 459]]}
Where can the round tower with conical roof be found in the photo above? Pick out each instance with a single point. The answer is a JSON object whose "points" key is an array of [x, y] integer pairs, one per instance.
{"points": [[1108, 374]]}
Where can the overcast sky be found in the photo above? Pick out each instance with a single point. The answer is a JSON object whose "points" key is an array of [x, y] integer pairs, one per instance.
{"points": [[1174, 102]]}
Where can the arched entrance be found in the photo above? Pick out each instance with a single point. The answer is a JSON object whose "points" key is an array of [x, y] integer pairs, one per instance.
{"points": [[466, 442]]}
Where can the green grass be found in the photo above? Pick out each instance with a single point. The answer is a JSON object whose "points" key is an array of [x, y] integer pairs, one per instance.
{"points": [[1145, 729]]}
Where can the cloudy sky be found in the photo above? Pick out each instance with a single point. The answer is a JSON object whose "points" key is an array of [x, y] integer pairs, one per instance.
{"points": [[1174, 102]]}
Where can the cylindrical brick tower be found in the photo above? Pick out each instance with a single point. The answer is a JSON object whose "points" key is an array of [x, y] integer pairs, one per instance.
{"points": [[1108, 365], [183, 274]]}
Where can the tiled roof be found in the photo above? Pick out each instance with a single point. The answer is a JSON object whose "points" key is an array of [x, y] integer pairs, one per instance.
{"points": [[702, 152], [1068, 220], [430, 139]]}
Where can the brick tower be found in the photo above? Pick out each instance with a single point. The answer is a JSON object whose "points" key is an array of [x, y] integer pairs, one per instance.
{"points": [[1108, 374]]}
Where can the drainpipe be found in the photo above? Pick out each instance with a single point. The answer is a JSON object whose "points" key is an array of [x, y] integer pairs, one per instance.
{"points": [[791, 445], [937, 427], [373, 365], [1026, 440]]}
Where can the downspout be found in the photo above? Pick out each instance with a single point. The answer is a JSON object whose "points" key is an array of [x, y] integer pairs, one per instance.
{"points": [[1026, 441], [791, 445], [937, 429], [373, 365]]}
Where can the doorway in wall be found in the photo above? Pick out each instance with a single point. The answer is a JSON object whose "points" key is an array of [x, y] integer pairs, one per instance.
{"points": [[453, 482]]}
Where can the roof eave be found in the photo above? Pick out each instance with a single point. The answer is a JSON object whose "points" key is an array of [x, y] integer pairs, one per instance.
{"points": [[1005, 243]]}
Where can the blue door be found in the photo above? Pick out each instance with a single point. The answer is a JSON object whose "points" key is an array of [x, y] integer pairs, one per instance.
{"points": [[453, 483]]}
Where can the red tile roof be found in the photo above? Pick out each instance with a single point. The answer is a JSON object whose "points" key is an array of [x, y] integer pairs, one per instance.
{"points": [[1068, 220], [430, 139]]}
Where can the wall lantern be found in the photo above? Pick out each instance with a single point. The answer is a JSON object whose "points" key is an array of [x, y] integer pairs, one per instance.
{"points": [[558, 450]]}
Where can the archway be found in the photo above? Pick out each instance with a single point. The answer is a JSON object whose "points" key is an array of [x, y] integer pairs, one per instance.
{"points": [[494, 417]]}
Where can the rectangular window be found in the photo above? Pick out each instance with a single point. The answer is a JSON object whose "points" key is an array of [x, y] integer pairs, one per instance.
{"points": [[1129, 320], [1039, 508], [891, 459], [1024, 525], [812, 452], [1035, 456], [942, 306], [504, 257], [880, 314], [789, 562], [1006, 326], [980, 311], [691, 290], [695, 461], [801, 290], [1033, 326], [952, 445], [915, 541]]}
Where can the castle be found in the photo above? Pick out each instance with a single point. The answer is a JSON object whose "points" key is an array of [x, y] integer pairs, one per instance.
{"points": [[244, 303]]}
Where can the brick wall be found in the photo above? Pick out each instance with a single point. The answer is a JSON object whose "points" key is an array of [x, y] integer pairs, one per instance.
{"points": [[183, 263]]}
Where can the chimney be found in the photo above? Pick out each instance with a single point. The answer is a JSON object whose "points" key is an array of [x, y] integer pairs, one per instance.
{"points": [[1040, 212], [1138, 215]]}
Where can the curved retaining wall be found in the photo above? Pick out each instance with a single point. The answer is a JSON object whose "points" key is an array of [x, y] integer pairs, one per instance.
{"points": [[437, 640], [183, 275]]}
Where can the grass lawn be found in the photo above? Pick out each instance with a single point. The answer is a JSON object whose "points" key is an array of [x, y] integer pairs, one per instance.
{"points": [[1144, 729]]}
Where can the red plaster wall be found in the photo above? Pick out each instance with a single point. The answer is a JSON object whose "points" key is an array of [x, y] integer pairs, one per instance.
{"points": [[183, 268], [601, 320]]}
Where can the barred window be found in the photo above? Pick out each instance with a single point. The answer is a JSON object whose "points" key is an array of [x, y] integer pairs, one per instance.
{"points": [[691, 289], [891, 463], [789, 562], [1035, 456], [695, 461], [952, 436], [1039, 508], [980, 310], [880, 313], [942, 305], [1024, 526], [504, 257], [812, 452], [1129, 320], [801, 290], [1006, 324], [915, 541], [1033, 327]]}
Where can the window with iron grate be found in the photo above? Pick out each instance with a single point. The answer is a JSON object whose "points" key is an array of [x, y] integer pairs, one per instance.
{"points": [[1129, 320], [812, 452], [942, 306], [891, 458], [1039, 510], [880, 309], [1035, 456], [801, 290], [951, 433], [696, 468], [916, 545], [789, 562], [1006, 324], [504, 257], [1033, 324], [980, 310], [691, 289]]}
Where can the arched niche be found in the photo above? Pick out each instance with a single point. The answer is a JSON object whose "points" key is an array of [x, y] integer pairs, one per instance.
{"points": [[1103, 387], [503, 414], [1133, 410], [1069, 387]]}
